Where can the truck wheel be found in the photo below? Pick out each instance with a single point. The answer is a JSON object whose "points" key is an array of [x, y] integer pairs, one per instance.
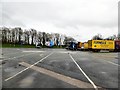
{"points": [[96, 50]]}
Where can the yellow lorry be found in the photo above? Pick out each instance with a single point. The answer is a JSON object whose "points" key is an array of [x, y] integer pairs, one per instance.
{"points": [[97, 45], [84, 46], [79, 45]]}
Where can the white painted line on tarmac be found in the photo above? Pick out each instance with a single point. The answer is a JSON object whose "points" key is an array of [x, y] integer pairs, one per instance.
{"points": [[84, 73], [67, 79], [41, 54], [113, 63], [33, 51], [108, 61], [12, 53], [28, 67], [67, 52], [13, 58]]}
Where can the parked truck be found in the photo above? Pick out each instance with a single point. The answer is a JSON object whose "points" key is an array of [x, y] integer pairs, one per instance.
{"points": [[85, 46], [72, 46], [97, 45], [79, 45], [117, 45]]}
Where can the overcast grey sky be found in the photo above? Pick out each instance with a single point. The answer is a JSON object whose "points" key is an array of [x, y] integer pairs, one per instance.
{"points": [[80, 19]]}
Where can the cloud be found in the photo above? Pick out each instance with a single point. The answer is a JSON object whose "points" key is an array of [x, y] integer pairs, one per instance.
{"points": [[8, 18], [9, 21], [71, 17]]}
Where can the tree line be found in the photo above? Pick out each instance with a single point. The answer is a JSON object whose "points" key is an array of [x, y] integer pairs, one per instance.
{"points": [[18, 35], [113, 37]]}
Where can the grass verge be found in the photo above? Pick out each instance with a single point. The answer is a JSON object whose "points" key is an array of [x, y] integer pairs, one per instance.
{"points": [[17, 46], [7, 45]]}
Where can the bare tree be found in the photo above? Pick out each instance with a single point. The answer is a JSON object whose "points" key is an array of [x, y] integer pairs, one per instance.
{"points": [[33, 33], [27, 36], [113, 37], [48, 37], [118, 36], [13, 35], [44, 38], [16, 35], [40, 37], [8, 36], [20, 34], [57, 35], [97, 37], [68, 39], [4, 34]]}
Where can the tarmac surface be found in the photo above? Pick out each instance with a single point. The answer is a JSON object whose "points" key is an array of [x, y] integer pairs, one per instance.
{"points": [[58, 68]]}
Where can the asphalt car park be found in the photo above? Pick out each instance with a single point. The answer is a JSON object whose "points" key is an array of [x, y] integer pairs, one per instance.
{"points": [[58, 68]]}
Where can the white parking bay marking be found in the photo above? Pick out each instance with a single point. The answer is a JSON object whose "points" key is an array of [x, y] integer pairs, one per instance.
{"points": [[33, 51], [113, 63], [28, 67], [67, 79], [66, 52], [106, 61], [84, 73], [41, 54], [12, 53], [13, 58]]}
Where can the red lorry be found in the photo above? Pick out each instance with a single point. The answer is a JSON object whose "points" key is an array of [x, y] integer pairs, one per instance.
{"points": [[117, 45]]}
